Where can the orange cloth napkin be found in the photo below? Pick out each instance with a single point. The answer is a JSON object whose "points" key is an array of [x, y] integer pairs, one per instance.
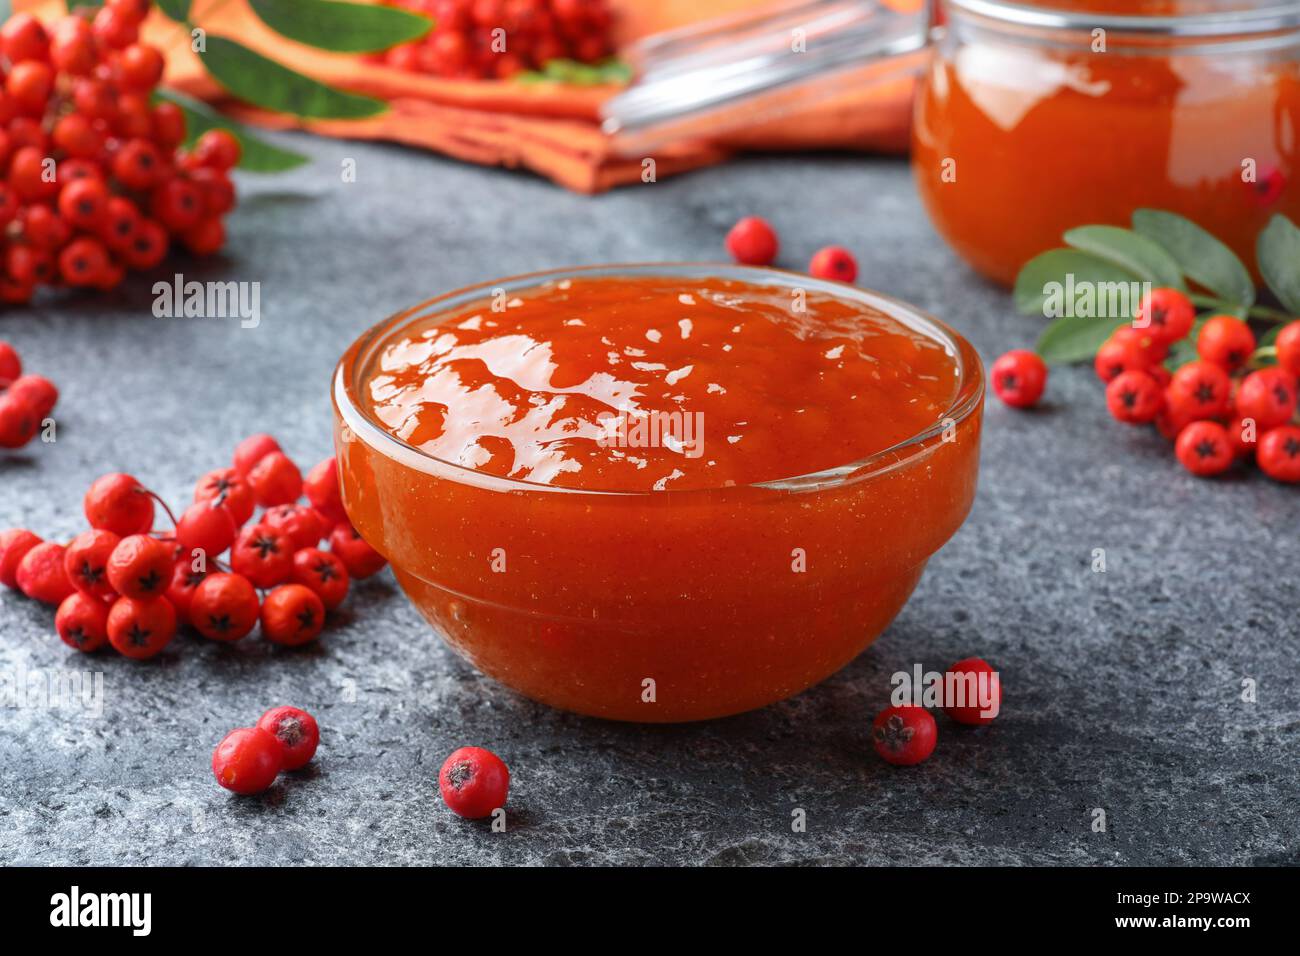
{"points": [[549, 128]]}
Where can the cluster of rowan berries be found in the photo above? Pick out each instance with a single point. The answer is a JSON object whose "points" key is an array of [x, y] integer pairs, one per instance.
{"points": [[485, 39], [124, 584], [753, 242], [905, 734], [92, 179], [1225, 406], [248, 759], [25, 400]]}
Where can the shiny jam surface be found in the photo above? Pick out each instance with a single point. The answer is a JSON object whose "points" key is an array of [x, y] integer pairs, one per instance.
{"points": [[659, 384], [707, 576], [1015, 142]]}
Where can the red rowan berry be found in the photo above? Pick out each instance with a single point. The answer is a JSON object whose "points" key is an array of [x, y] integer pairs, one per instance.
{"points": [[14, 545], [177, 203], [1205, 386], [180, 591], [1226, 341], [224, 607], [207, 236], [234, 492], [1134, 398], [83, 261], [1019, 378], [275, 480], [140, 67], [1118, 355], [29, 176], [1268, 396], [904, 736], [218, 191], [1204, 448], [15, 293], [82, 203], [86, 562], [474, 782], [11, 365], [297, 732], [140, 567], [753, 241], [252, 450], [28, 264], [323, 573], [72, 47], [168, 122], [75, 135], [292, 615], [218, 148], [121, 220], [1288, 348], [82, 622], [28, 86], [133, 11], [43, 227], [207, 527], [1278, 454], [93, 98], [18, 421], [36, 392], [247, 760], [23, 37], [262, 555], [322, 489], [41, 575], [138, 165], [113, 30], [148, 247], [26, 131], [300, 524], [357, 556], [970, 673], [1166, 313], [139, 629], [834, 262], [1154, 351]]}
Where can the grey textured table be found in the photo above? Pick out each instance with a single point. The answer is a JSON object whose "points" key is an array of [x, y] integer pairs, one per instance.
{"points": [[1123, 689]]}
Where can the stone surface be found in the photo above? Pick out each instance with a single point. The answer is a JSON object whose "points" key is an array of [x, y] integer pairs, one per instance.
{"points": [[1122, 688]]}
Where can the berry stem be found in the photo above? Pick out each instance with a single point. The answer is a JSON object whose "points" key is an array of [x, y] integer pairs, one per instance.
{"points": [[1255, 311], [158, 499]]}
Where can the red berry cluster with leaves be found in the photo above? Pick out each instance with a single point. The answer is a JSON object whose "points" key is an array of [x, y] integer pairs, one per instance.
{"points": [[25, 400], [126, 585], [248, 759], [92, 178], [752, 241], [497, 39], [1234, 402]]}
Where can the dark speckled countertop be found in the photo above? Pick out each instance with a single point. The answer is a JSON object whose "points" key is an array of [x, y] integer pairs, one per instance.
{"points": [[1123, 689]]}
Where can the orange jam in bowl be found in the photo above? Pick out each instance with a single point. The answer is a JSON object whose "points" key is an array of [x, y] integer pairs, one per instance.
{"points": [[1023, 130], [659, 492]]}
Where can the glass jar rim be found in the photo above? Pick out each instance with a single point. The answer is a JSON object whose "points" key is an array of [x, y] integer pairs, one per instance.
{"points": [[967, 397], [1253, 19]]}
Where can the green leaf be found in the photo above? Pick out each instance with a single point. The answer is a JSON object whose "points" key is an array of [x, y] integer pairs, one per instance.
{"points": [[6, 8], [178, 10], [1184, 350], [1054, 267], [258, 155], [1125, 248], [1278, 252], [1075, 339], [341, 27], [253, 78], [1203, 258], [1269, 337]]}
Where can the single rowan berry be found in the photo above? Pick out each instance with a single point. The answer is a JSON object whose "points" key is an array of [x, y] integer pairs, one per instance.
{"points": [[292, 615], [1118, 355], [262, 555], [207, 527], [752, 241], [300, 524], [72, 47], [1268, 396], [224, 607], [1288, 348], [1279, 453], [1166, 313], [834, 262], [121, 220], [43, 227], [323, 573], [1205, 386], [14, 545], [133, 11], [1134, 398], [275, 480], [206, 236], [139, 629], [218, 191], [41, 575], [1243, 434], [177, 203], [226, 485], [1019, 378], [474, 782], [978, 704], [1155, 352], [321, 487], [1204, 448], [82, 203], [357, 556], [18, 422], [93, 98], [139, 67], [120, 504], [252, 450], [30, 265], [82, 622], [904, 736], [217, 148], [77, 136], [83, 261], [36, 392], [140, 567], [148, 247], [11, 365], [1226, 341], [297, 732], [168, 122], [247, 760], [133, 116], [30, 177], [138, 165], [86, 562], [113, 30], [23, 37], [28, 86], [180, 591]]}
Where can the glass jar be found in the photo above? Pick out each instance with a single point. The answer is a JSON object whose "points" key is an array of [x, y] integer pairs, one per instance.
{"points": [[1029, 120]]}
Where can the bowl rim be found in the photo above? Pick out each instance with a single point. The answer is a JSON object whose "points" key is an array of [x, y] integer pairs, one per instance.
{"points": [[968, 396]]}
